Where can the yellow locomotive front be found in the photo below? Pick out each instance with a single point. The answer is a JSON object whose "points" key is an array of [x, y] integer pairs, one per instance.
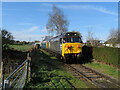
{"points": [[71, 46]]}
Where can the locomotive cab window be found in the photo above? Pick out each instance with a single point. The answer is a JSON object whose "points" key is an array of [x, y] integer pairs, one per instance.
{"points": [[76, 39], [72, 40], [66, 40]]}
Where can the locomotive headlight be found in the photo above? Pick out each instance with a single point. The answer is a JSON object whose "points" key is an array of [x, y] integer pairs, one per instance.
{"points": [[78, 46]]}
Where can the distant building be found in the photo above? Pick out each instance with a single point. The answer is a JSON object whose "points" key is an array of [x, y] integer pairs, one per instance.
{"points": [[94, 42], [113, 42]]}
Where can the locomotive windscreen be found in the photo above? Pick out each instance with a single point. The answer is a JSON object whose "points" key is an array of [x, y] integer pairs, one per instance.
{"points": [[72, 40], [72, 37]]}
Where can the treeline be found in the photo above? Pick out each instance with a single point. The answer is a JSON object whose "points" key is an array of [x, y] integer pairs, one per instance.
{"points": [[21, 43], [8, 39]]}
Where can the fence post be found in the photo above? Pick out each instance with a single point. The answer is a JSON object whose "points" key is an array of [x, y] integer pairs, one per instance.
{"points": [[29, 66], [6, 84], [1, 71], [1, 74]]}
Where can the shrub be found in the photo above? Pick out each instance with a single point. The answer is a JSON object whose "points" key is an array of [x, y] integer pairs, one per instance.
{"points": [[106, 54]]}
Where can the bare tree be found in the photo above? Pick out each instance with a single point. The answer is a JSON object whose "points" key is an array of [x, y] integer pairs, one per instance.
{"points": [[114, 35], [57, 22], [90, 36], [92, 40]]}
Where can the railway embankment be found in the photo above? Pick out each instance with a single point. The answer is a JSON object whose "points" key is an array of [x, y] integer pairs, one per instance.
{"points": [[49, 72], [105, 69], [104, 60]]}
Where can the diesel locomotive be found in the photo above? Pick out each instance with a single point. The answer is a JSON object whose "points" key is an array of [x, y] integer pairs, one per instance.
{"points": [[69, 45]]}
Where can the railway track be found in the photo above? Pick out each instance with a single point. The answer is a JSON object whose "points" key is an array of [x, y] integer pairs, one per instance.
{"points": [[92, 78]]}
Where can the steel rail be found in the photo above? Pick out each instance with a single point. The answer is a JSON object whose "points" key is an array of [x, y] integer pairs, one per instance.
{"points": [[83, 77], [117, 83], [88, 79], [99, 74]]}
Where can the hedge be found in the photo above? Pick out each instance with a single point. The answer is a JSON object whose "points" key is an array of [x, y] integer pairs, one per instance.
{"points": [[108, 55]]}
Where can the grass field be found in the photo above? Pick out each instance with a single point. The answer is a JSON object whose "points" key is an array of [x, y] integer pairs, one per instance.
{"points": [[106, 69], [48, 72], [20, 47]]}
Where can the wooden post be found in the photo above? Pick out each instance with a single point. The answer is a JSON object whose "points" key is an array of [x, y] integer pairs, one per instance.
{"points": [[29, 66], [2, 74], [1, 71], [6, 84]]}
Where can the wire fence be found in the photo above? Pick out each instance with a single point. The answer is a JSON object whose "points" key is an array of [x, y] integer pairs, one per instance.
{"points": [[18, 78]]}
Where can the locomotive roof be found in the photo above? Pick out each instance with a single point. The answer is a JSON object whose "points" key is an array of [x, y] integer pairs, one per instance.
{"points": [[47, 38], [59, 36], [66, 34]]}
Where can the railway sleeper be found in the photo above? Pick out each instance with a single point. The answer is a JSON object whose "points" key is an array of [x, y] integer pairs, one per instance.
{"points": [[98, 79], [106, 84]]}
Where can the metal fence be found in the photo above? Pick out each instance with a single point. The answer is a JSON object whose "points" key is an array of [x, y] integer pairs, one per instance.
{"points": [[18, 78]]}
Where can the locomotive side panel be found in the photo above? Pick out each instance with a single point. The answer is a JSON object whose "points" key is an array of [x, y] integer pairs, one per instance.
{"points": [[55, 46]]}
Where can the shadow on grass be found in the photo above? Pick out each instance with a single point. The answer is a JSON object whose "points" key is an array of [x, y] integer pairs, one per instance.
{"points": [[42, 65]]}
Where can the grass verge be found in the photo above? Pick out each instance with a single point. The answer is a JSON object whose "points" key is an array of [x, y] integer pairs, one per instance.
{"points": [[48, 72], [106, 69]]}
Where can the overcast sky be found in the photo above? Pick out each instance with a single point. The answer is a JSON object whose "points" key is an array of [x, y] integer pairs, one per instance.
{"points": [[27, 20]]}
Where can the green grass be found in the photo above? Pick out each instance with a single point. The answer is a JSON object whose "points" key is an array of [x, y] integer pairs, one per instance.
{"points": [[106, 69], [48, 72], [20, 47]]}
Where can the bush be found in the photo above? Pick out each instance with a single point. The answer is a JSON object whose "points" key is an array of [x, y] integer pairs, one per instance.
{"points": [[108, 55]]}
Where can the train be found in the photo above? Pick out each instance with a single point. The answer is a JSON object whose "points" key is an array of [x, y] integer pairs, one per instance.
{"points": [[68, 45]]}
